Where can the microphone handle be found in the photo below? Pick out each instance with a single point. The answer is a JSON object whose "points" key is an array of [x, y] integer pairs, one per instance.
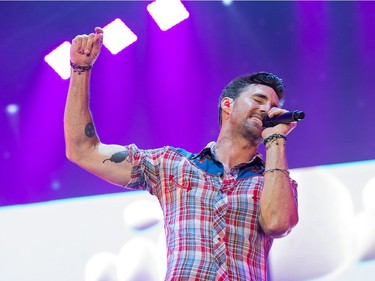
{"points": [[285, 118]]}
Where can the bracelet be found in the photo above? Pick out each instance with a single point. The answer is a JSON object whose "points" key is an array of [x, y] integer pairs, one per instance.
{"points": [[274, 137], [80, 68], [277, 169], [272, 142]]}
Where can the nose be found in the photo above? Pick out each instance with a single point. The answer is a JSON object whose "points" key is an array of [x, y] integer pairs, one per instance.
{"points": [[264, 108]]}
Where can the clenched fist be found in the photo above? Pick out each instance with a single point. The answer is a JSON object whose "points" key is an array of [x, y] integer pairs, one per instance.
{"points": [[86, 48]]}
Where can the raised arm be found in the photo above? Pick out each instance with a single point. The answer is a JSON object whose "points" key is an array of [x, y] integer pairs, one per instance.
{"points": [[278, 207], [83, 146]]}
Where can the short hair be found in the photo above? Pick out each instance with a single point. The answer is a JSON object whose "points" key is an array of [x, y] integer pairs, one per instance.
{"points": [[239, 84]]}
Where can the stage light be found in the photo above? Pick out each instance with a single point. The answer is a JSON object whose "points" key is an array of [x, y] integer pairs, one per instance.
{"points": [[12, 109], [167, 13], [55, 185], [59, 59], [227, 2], [117, 36]]}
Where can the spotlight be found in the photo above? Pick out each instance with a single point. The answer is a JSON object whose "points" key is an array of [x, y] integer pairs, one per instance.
{"points": [[59, 59], [167, 13], [55, 185], [227, 2], [117, 36], [12, 109]]}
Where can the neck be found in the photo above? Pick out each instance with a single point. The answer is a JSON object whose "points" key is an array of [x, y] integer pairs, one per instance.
{"points": [[233, 150]]}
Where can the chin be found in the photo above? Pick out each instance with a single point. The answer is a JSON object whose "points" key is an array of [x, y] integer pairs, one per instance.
{"points": [[254, 134]]}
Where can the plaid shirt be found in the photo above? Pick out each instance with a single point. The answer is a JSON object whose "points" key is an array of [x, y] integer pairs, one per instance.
{"points": [[210, 217]]}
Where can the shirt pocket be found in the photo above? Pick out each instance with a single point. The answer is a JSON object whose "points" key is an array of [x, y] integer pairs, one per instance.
{"points": [[181, 200], [181, 182], [184, 176]]}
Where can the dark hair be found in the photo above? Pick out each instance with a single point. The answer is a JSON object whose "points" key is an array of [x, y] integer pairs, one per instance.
{"points": [[238, 85]]}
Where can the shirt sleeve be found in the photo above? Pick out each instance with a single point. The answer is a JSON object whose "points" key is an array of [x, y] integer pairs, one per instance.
{"points": [[145, 174]]}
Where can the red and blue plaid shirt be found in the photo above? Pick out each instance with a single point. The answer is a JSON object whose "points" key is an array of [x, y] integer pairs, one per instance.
{"points": [[210, 217]]}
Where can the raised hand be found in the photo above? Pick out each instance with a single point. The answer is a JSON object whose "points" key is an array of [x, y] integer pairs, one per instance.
{"points": [[85, 49]]}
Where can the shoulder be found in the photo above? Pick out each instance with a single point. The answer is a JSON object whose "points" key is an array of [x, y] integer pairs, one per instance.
{"points": [[182, 152]]}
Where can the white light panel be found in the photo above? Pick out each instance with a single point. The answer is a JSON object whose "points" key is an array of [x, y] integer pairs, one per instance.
{"points": [[167, 13]]}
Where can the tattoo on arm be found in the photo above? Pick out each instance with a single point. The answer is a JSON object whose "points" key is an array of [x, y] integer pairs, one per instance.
{"points": [[90, 130], [118, 157]]}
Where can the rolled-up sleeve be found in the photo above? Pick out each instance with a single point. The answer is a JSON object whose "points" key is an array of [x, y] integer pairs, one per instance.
{"points": [[145, 173]]}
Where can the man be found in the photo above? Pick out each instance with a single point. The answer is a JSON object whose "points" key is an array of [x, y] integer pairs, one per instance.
{"points": [[223, 206]]}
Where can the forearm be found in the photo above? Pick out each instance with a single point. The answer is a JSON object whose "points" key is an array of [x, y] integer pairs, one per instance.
{"points": [[79, 130], [277, 204]]}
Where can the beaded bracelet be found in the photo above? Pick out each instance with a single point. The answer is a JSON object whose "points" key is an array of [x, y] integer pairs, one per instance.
{"points": [[80, 68], [274, 137], [272, 142], [277, 169]]}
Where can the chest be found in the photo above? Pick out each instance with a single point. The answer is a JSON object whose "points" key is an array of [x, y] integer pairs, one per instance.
{"points": [[188, 191]]}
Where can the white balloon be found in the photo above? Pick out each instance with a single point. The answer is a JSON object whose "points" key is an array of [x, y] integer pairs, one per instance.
{"points": [[161, 249], [143, 214], [368, 195], [137, 261], [365, 235], [321, 243], [101, 267]]}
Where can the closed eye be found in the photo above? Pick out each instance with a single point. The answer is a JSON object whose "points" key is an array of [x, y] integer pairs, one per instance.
{"points": [[260, 99]]}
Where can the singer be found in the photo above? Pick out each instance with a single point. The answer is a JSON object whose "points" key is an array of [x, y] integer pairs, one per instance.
{"points": [[222, 206]]}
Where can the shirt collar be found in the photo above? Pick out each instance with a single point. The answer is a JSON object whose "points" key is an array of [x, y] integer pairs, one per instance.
{"points": [[210, 151]]}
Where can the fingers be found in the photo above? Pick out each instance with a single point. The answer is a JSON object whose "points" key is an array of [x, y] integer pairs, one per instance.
{"points": [[80, 44], [98, 30], [97, 42], [280, 128], [84, 43], [284, 129], [77, 43], [88, 44], [86, 48], [274, 111]]}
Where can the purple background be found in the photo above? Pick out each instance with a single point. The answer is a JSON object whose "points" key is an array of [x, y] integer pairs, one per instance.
{"points": [[164, 88]]}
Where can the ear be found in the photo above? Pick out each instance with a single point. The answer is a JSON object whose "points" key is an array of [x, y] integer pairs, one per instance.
{"points": [[226, 104]]}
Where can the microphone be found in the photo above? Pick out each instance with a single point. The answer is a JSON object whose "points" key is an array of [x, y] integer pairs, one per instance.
{"points": [[285, 118]]}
